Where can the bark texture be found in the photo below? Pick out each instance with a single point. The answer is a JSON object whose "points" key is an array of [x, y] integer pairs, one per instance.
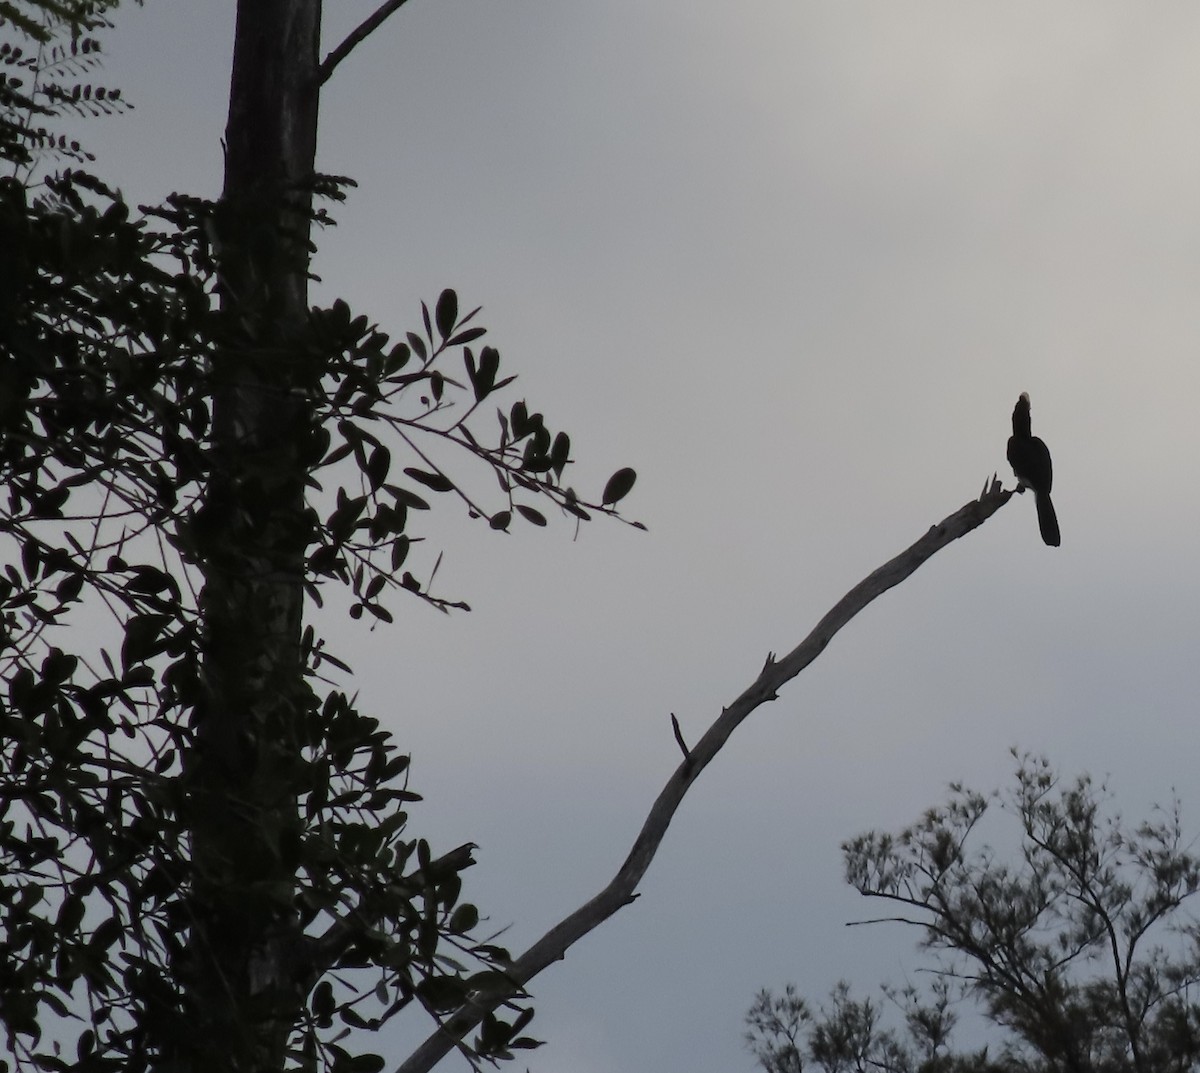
{"points": [[254, 531]]}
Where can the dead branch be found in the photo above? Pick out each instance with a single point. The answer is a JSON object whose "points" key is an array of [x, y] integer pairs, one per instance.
{"points": [[358, 35], [621, 890]]}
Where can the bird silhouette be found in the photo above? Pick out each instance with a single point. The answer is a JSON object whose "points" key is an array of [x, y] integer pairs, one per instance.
{"points": [[1030, 460]]}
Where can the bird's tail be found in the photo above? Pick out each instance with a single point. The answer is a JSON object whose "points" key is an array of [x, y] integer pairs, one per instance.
{"points": [[1047, 520]]}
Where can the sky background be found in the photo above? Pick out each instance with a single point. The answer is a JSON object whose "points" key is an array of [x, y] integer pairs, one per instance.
{"points": [[794, 262]]}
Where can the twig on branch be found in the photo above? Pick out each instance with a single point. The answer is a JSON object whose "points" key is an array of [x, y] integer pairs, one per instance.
{"points": [[687, 753], [358, 35], [621, 890]]}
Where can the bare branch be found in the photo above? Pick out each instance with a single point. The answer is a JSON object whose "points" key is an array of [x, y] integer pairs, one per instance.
{"points": [[887, 920], [358, 35], [621, 890]]}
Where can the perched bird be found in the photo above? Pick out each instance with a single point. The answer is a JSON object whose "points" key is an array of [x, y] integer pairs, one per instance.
{"points": [[1030, 460]]}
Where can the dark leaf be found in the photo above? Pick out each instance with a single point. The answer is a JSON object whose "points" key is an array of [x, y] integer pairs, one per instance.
{"points": [[400, 548], [446, 313], [69, 588], [380, 612], [322, 1002], [405, 498], [149, 579], [525, 1043], [535, 459], [107, 932], [560, 452], [618, 487], [58, 667], [337, 454], [143, 635], [353, 1018], [344, 520], [441, 992], [466, 336], [70, 914], [439, 482], [531, 515], [397, 358], [377, 466], [484, 380], [520, 420]]}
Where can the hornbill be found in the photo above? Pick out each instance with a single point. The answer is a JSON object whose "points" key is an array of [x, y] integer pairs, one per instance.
{"points": [[1030, 460]]}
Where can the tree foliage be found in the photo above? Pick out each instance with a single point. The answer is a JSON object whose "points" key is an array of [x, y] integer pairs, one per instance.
{"points": [[45, 66], [850, 1035], [1080, 946], [118, 535]]}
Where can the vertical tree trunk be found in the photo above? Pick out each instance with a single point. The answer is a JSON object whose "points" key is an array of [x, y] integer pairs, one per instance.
{"points": [[242, 782]]}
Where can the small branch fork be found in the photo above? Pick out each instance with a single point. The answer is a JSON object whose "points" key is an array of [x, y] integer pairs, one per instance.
{"points": [[356, 37], [621, 890]]}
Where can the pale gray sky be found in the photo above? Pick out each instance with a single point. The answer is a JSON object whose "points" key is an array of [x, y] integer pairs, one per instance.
{"points": [[793, 261]]}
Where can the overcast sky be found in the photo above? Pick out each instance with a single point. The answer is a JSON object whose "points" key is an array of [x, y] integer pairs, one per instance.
{"points": [[794, 262]]}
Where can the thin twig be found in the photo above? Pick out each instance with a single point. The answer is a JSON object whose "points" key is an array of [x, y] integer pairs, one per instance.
{"points": [[679, 738]]}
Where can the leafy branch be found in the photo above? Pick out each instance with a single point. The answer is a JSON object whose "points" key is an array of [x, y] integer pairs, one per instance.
{"points": [[110, 340]]}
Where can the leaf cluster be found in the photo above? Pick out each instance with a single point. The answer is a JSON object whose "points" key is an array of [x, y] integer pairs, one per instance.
{"points": [[381, 398], [48, 52]]}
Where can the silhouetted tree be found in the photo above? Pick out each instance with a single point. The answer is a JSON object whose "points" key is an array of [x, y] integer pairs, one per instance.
{"points": [[1080, 948], [203, 841]]}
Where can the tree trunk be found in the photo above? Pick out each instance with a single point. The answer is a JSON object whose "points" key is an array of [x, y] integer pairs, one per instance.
{"points": [[242, 972]]}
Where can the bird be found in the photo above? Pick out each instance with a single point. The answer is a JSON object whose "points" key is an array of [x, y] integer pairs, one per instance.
{"points": [[1030, 460]]}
